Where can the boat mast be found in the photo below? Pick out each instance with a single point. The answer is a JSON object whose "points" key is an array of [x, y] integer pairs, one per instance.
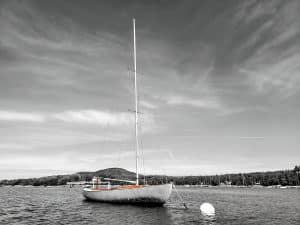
{"points": [[136, 108]]}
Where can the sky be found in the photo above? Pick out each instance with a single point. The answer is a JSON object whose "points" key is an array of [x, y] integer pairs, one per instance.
{"points": [[218, 84]]}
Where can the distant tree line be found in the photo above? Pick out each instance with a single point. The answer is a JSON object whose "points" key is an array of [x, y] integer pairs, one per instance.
{"points": [[283, 177], [43, 181]]}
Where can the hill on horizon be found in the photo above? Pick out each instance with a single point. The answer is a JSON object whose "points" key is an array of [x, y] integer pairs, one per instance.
{"points": [[114, 172]]}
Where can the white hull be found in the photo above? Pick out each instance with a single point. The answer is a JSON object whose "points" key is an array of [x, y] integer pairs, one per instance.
{"points": [[147, 195]]}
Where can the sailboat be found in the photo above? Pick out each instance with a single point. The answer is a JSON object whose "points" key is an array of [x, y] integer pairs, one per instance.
{"points": [[133, 192]]}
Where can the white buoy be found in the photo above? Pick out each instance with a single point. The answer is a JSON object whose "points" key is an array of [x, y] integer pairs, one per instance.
{"points": [[207, 209]]}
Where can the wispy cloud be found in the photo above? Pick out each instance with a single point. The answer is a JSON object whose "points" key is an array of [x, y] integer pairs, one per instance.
{"points": [[273, 45], [10, 146], [21, 116], [85, 117], [249, 11], [94, 117], [200, 103], [147, 104], [221, 108], [282, 74]]}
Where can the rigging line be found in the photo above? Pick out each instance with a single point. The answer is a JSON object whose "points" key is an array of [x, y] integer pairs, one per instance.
{"points": [[130, 52], [130, 71], [133, 99], [180, 197], [142, 151]]}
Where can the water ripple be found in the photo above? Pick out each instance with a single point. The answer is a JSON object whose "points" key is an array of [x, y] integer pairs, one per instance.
{"points": [[64, 205]]}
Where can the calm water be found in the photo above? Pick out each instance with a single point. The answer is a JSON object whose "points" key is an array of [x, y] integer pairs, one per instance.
{"points": [[64, 205]]}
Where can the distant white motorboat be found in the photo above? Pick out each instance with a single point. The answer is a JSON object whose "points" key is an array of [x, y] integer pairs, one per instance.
{"points": [[133, 193]]}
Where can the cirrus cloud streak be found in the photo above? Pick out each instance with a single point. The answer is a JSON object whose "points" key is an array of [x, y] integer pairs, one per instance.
{"points": [[21, 116], [94, 117], [90, 116]]}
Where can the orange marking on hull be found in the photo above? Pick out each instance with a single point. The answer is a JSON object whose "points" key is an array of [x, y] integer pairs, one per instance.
{"points": [[119, 188]]}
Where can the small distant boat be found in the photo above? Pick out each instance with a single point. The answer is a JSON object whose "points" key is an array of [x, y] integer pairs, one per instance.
{"points": [[133, 193], [283, 187]]}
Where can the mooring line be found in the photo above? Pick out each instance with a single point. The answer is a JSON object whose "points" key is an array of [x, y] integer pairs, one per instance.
{"points": [[180, 197]]}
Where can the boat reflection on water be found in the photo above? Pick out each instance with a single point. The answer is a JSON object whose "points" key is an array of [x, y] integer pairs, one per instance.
{"points": [[128, 214]]}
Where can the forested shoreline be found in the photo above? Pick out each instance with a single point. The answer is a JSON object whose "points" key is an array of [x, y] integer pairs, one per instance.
{"points": [[272, 178]]}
